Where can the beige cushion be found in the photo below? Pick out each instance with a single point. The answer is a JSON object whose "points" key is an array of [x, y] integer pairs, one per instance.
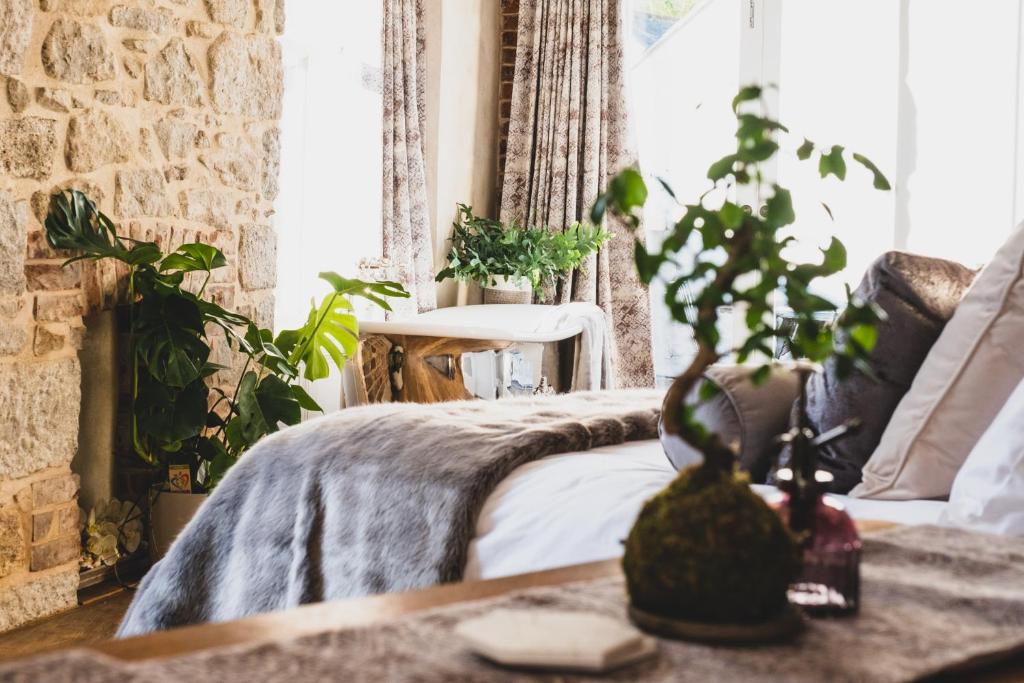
{"points": [[968, 375]]}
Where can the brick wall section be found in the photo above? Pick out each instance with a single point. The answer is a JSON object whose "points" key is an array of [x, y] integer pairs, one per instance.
{"points": [[509, 37], [164, 112]]}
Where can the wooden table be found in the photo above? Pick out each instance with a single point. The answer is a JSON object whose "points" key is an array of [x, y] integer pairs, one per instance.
{"points": [[447, 333], [315, 618]]}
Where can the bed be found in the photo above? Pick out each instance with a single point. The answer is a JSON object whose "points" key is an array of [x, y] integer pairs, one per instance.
{"points": [[574, 507], [394, 497]]}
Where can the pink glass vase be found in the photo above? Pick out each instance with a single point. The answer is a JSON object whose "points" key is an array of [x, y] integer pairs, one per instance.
{"points": [[829, 583]]}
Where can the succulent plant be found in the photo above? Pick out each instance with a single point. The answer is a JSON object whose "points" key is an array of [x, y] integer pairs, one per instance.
{"points": [[111, 530]]}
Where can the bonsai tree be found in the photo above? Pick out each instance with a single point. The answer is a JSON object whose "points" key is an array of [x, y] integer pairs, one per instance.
{"points": [[708, 548], [483, 249], [178, 413]]}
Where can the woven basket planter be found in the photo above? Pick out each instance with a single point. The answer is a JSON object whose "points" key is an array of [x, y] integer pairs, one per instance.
{"points": [[507, 291]]}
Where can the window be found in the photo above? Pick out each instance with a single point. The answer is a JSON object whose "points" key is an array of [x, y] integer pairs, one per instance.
{"points": [[929, 89], [329, 207]]}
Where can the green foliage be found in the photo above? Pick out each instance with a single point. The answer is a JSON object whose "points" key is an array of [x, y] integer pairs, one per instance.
{"points": [[731, 256], [709, 549], [173, 381], [483, 249]]}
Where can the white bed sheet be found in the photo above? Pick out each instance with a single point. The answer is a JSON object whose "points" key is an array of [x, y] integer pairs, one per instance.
{"points": [[572, 508]]}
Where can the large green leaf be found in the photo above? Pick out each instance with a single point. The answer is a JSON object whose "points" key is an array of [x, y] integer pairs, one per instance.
{"points": [[331, 333], [374, 291], [168, 415], [262, 405], [194, 257], [169, 338], [75, 223]]}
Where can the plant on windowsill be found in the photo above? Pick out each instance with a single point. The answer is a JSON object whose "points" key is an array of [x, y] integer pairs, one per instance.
{"points": [[707, 550], [185, 410], [511, 262]]}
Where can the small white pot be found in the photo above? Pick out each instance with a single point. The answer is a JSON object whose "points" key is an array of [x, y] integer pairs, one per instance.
{"points": [[508, 290], [169, 513]]}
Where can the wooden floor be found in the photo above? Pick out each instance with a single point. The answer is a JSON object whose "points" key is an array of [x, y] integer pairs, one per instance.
{"points": [[83, 625]]}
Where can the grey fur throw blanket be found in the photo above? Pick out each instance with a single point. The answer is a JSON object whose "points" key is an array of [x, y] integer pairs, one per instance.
{"points": [[367, 500]]}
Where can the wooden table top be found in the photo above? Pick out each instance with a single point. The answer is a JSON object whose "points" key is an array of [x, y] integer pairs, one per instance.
{"points": [[315, 618]]}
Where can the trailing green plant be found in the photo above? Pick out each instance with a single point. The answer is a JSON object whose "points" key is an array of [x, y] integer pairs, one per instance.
{"points": [[728, 255], [177, 413], [483, 249]]}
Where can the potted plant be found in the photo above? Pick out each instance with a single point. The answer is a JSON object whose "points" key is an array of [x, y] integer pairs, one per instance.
{"points": [[511, 263], [707, 558], [184, 421]]}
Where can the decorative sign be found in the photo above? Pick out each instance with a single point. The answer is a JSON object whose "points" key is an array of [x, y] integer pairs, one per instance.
{"points": [[180, 478]]}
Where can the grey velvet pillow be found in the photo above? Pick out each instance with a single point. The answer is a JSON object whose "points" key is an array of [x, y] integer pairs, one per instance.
{"points": [[748, 416], [919, 295]]}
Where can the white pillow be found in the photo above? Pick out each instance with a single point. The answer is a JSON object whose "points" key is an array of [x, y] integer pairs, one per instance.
{"points": [[988, 492], [961, 386]]}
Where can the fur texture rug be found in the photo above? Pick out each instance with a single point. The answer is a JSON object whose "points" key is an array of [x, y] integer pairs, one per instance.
{"points": [[366, 500], [934, 600]]}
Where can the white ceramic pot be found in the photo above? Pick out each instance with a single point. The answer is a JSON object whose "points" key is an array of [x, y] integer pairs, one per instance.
{"points": [[169, 513], [507, 290]]}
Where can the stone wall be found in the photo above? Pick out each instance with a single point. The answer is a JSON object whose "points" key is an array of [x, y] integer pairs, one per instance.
{"points": [[164, 112]]}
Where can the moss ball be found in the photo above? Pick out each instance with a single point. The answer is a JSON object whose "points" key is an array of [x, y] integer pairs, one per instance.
{"points": [[709, 549]]}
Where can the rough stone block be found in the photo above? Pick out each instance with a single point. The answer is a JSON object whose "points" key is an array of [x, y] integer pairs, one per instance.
{"points": [[133, 66], [59, 307], [13, 338], [206, 206], [257, 257], [12, 541], [159, 20], [172, 77], [54, 491], [47, 340], [82, 8], [177, 138], [145, 45], [43, 525], [52, 277], [246, 76], [235, 167], [140, 193], [67, 520], [27, 147], [39, 404], [116, 98], [201, 29], [54, 99], [39, 597], [77, 52], [15, 33], [229, 12], [54, 553], [260, 309], [10, 306], [95, 139], [271, 163], [13, 238], [17, 95]]}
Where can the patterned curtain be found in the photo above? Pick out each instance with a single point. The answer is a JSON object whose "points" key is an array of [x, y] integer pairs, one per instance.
{"points": [[568, 135], [406, 218]]}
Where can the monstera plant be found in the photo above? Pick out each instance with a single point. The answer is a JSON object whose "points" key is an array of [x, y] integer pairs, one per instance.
{"points": [[708, 549], [178, 413]]}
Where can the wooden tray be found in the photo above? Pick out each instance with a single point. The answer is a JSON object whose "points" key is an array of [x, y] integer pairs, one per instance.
{"points": [[783, 627]]}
